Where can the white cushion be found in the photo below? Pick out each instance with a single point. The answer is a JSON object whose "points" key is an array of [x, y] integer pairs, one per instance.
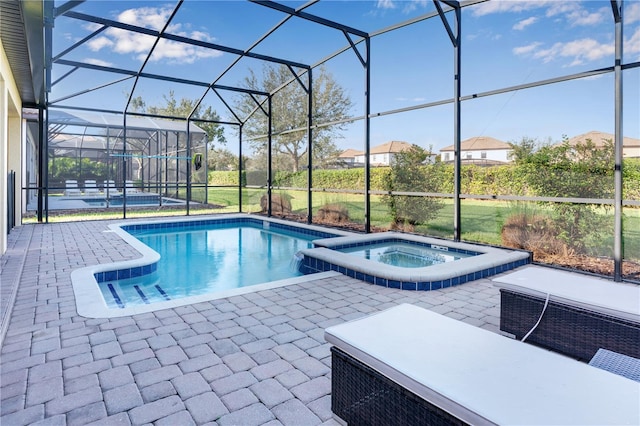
{"points": [[596, 294], [483, 377]]}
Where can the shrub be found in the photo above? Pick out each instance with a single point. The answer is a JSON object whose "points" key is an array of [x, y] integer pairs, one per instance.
{"points": [[533, 232], [333, 213], [280, 204], [408, 174]]}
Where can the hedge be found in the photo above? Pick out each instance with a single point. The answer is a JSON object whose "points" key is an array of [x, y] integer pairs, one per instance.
{"points": [[507, 179]]}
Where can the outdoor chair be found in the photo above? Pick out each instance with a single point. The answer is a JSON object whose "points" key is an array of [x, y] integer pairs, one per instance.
{"points": [[110, 188], [91, 188], [130, 188], [71, 188], [411, 366], [570, 313]]}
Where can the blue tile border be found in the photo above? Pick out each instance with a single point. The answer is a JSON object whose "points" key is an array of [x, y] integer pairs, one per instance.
{"points": [[225, 223], [311, 265]]}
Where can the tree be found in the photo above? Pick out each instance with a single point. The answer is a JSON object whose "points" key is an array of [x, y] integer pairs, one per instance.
{"points": [[222, 159], [330, 103], [523, 150], [410, 174], [181, 109], [574, 171]]}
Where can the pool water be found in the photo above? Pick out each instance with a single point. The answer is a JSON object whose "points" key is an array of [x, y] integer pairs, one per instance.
{"points": [[405, 255], [201, 260]]}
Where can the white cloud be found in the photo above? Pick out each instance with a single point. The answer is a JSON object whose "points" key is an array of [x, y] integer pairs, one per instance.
{"points": [[583, 17], [632, 12], [525, 50], [572, 11], [562, 8], [416, 99], [99, 43], [98, 62], [578, 51], [386, 4], [127, 42], [525, 23], [503, 6], [149, 17], [632, 44]]}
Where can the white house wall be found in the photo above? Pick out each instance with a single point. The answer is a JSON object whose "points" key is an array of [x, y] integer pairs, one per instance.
{"points": [[10, 131], [502, 155]]}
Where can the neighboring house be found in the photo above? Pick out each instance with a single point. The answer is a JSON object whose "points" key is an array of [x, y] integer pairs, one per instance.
{"points": [[630, 146], [348, 158], [382, 155], [480, 150]]}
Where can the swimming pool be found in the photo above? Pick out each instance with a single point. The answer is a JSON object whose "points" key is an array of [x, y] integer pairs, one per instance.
{"points": [[194, 260], [132, 200], [474, 261]]}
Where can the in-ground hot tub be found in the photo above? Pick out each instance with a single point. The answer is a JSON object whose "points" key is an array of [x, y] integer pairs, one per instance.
{"points": [[396, 260]]}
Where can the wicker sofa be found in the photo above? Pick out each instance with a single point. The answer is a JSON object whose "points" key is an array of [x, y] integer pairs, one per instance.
{"points": [[410, 366], [582, 313]]}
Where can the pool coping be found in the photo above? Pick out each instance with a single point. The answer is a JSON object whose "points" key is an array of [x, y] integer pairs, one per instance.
{"points": [[90, 302], [489, 261]]}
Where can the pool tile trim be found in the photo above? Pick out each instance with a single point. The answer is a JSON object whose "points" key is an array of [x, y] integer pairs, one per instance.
{"points": [[486, 261]]}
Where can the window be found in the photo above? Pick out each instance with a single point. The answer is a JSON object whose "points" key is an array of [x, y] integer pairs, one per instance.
{"points": [[446, 156], [483, 154]]}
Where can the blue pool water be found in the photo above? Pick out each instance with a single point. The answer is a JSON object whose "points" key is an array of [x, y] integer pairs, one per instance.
{"points": [[404, 254], [206, 259]]}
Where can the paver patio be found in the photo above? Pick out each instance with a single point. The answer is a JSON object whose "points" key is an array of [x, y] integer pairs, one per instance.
{"points": [[258, 358]]}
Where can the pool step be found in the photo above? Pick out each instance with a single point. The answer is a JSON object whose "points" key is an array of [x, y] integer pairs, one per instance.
{"points": [[146, 298]]}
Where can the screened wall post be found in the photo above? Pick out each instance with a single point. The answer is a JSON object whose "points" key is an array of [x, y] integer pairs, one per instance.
{"points": [[43, 155], [269, 157], [124, 166], [309, 147], [240, 168], [367, 137], [618, 251], [457, 126], [206, 172], [189, 180]]}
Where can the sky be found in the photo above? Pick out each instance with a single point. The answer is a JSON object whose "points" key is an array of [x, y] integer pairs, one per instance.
{"points": [[504, 43]]}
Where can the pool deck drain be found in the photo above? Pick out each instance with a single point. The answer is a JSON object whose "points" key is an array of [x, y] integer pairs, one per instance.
{"points": [[257, 358]]}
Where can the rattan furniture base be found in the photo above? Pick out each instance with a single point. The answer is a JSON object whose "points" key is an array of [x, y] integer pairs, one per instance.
{"points": [[570, 330], [361, 395]]}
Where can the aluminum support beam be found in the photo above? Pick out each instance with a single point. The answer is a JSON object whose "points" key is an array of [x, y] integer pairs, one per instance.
{"points": [[269, 157], [240, 168], [42, 163], [367, 137], [457, 121], [309, 146], [180, 39], [188, 166], [456, 40], [618, 249], [310, 17]]}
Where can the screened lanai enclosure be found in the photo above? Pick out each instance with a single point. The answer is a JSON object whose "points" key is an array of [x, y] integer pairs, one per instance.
{"points": [[518, 119], [95, 162]]}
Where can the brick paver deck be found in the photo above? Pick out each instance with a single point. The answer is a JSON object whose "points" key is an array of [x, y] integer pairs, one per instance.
{"points": [[254, 359]]}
